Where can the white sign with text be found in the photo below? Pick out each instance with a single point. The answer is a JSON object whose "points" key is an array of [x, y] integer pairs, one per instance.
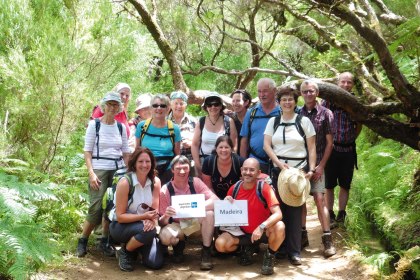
{"points": [[189, 206], [231, 214]]}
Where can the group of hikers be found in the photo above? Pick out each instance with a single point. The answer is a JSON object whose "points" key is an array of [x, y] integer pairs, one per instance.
{"points": [[272, 155]]}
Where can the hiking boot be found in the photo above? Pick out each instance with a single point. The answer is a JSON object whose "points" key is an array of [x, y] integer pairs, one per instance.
{"points": [[178, 255], [125, 261], [341, 216], [245, 257], [329, 249], [305, 240], [206, 263], [295, 260], [268, 264], [105, 247], [81, 247]]}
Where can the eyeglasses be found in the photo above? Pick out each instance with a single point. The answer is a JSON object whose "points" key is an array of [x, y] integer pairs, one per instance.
{"points": [[112, 104], [213, 104], [311, 91], [146, 207], [159, 105]]}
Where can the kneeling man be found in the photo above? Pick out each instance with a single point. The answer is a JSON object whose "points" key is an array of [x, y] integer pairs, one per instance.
{"points": [[171, 232], [265, 225]]}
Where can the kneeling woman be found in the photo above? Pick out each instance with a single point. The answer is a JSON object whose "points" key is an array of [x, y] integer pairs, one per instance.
{"points": [[135, 219]]}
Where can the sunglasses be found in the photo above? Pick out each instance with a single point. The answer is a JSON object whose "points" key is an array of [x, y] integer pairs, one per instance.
{"points": [[214, 104], [159, 105], [146, 207], [308, 91]]}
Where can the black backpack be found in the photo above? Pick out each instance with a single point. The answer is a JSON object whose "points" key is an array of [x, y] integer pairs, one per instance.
{"points": [[258, 189]]}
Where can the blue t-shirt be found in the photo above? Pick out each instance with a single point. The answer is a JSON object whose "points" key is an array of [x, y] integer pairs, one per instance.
{"points": [[256, 143], [160, 146]]}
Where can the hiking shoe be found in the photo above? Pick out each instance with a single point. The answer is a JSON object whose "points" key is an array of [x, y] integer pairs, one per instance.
{"points": [[178, 255], [206, 263], [81, 247], [305, 240], [268, 264], [333, 222], [329, 249], [341, 216], [295, 260], [105, 247], [125, 260], [245, 257]]}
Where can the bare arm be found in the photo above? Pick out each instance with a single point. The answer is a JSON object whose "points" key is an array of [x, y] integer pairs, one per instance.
{"points": [[94, 181], [207, 180], [195, 147], [177, 148], [233, 135], [244, 147], [327, 152], [311, 154]]}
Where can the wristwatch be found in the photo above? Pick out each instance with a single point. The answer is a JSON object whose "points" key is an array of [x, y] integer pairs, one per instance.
{"points": [[262, 227]]}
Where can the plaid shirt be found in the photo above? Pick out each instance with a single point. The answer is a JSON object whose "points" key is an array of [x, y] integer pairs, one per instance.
{"points": [[344, 128], [322, 119], [186, 127]]}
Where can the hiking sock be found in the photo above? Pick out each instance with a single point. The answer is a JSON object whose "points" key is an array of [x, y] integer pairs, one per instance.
{"points": [[328, 232]]}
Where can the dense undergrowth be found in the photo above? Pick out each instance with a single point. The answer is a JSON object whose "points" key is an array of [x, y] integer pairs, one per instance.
{"points": [[385, 204]]}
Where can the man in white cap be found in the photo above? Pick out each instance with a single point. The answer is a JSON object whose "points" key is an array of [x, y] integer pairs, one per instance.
{"points": [[264, 218]]}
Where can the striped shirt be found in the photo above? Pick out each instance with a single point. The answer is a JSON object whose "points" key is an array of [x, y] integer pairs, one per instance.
{"points": [[322, 119], [344, 128], [111, 145]]}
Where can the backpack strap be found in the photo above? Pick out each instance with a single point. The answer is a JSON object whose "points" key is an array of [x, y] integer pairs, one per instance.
{"points": [[260, 186], [236, 188], [120, 127], [97, 128], [202, 121], [171, 133], [226, 123], [190, 184], [129, 177], [235, 162], [144, 129]]}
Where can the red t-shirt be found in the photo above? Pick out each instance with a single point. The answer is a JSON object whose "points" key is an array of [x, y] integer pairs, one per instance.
{"points": [[257, 213], [120, 117]]}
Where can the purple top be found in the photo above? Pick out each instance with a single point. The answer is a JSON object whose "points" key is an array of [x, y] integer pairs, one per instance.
{"points": [[344, 128]]}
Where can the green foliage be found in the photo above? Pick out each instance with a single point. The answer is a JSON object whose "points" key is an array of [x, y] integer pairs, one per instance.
{"points": [[25, 244], [382, 198]]}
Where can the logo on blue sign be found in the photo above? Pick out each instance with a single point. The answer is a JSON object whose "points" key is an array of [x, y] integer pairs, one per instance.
{"points": [[193, 204]]}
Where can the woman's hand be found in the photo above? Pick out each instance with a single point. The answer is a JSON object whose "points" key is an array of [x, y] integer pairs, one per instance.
{"points": [[229, 198], [94, 181], [149, 225], [151, 215]]}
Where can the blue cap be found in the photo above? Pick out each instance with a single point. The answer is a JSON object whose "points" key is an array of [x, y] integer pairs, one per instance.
{"points": [[179, 94]]}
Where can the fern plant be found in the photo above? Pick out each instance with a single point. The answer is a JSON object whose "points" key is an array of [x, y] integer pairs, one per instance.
{"points": [[25, 244]]}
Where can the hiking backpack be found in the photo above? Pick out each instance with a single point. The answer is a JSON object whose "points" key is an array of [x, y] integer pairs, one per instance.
{"points": [[97, 128], [171, 135], [298, 125], [258, 190], [172, 191], [251, 119]]}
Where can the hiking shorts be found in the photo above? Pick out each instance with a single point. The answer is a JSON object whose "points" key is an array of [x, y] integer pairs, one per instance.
{"points": [[94, 215], [339, 170], [318, 186]]}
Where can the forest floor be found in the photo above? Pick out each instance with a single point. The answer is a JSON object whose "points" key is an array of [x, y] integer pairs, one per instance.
{"points": [[343, 265]]}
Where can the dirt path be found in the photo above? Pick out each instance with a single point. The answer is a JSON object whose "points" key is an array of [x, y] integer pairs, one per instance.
{"points": [[315, 266]]}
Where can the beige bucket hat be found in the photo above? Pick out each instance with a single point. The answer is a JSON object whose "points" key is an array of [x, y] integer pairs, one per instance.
{"points": [[293, 187]]}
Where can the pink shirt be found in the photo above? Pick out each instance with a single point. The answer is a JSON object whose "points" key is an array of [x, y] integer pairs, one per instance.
{"points": [[199, 186], [120, 117]]}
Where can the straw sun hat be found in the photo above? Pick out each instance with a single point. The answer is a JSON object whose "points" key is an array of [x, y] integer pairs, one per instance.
{"points": [[293, 187]]}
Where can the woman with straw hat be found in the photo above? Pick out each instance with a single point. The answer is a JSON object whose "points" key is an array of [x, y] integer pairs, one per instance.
{"points": [[289, 141]]}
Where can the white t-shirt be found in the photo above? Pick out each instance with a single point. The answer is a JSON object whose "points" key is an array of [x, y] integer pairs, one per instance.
{"points": [[142, 194], [111, 145], [295, 144], [208, 140]]}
